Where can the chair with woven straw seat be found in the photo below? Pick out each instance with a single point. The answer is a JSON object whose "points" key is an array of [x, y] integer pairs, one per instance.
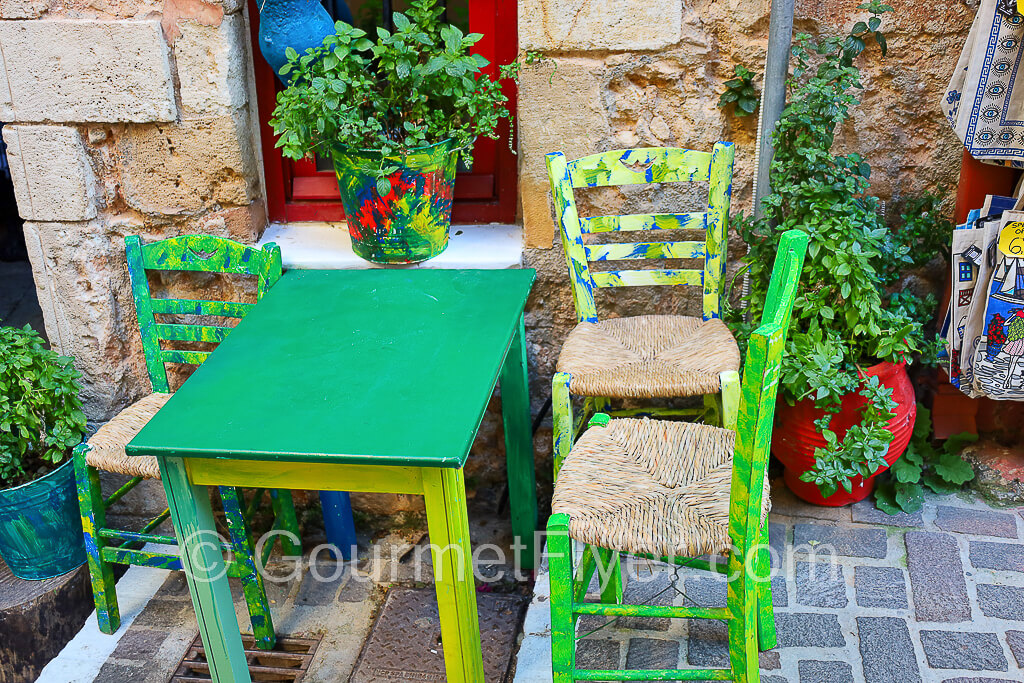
{"points": [[105, 450], [647, 356], [675, 492]]}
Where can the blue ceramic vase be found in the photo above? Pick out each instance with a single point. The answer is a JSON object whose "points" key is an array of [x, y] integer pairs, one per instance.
{"points": [[298, 24]]}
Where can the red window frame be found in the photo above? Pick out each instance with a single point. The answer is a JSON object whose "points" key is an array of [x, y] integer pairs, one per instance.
{"points": [[296, 191]]}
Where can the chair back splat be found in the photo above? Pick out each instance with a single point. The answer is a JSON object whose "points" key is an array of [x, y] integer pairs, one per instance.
{"points": [[635, 166], [191, 253]]}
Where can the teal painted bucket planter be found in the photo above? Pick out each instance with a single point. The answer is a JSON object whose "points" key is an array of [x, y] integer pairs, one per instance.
{"points": [[41, 526]]}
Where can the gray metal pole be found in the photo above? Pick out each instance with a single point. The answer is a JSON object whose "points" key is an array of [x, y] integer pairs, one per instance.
{"points": [[773, 96]]}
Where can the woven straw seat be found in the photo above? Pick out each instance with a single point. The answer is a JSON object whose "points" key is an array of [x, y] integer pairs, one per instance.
{"points": [[106, 447], [650, 486], [648, 356]]}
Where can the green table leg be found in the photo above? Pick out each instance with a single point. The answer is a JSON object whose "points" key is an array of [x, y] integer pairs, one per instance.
{"points": [[522, 488], [203, 563], [448, 523]]}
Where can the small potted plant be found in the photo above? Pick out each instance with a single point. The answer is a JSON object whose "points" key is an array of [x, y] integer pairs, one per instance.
{"points": [[848, 404], [41, 420], [394, 115]]}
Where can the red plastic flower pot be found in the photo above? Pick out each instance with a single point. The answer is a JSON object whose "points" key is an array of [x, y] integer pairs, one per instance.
{"points": [[796, 438]]}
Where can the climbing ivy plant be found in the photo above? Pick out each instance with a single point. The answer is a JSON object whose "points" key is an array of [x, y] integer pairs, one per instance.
{"points": [[41, 414], [416, 86], [846, 316]]}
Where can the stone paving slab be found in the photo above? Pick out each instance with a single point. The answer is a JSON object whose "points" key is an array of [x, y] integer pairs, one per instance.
{"points": [[932, 597]]}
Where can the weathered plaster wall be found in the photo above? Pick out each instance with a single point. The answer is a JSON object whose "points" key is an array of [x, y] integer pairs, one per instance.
{"points": [[632, 73]]}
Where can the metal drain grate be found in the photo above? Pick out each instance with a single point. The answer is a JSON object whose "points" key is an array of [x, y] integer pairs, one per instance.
{"points": [[286, 663]]}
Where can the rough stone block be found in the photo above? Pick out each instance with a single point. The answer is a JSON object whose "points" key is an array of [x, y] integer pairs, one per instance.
{"points": [[867, 512], [86, 71], [139, 644], [114, 672], [87, 304], [592, 653], [1002, 602], [979, 522], [212, 66], [784, 502], [887, 651], [840, 540], [547, 124], [53, 179], [813, 671], [1015, 639], [884, 587], [708, 646], [1002, 556], [820, 584], [22, 9], [970, 651], [566, 25], [160, 613], [648, 589], [180, 169], [937, 577], [652, 653], [809, 630]]}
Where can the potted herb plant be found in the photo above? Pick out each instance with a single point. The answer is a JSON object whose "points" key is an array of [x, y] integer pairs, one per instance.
{"points": [[41, 420], [849, 407], [394, 115]]}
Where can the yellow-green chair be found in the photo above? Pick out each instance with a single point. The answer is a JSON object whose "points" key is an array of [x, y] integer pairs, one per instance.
{"points": [[677, 491]]}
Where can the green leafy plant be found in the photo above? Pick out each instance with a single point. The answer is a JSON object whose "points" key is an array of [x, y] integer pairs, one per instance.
{"points": [[41, 414], [739, 90], [845, 317], [925, 464], [414, 87]]}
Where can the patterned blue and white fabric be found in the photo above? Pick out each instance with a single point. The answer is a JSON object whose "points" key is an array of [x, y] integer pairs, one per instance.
{"points": [[984, 102]]}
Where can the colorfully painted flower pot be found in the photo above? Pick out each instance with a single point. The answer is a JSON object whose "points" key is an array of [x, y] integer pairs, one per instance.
{"points": [[41, 526], [403, 217], [795, 437]]}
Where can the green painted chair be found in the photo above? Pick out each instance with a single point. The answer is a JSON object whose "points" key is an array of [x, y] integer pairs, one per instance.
{"points": [[648, 356], [106, 449], [675, 492]]}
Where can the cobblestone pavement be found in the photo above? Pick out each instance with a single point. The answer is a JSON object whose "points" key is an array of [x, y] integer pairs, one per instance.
{"points": [[861, 597]]}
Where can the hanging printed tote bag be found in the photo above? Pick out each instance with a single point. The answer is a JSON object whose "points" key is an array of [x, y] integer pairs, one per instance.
{"points": [[984, 102], [968, 249], [998, 369], [971, 325]]}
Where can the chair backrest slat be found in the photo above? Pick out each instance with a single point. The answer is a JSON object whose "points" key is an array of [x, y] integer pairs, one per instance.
{"points": [[761, 373], [695, 220], [640, 250], [227, 309], [642, 165], [634, 166], [645, 278], [213, 334], [191, 253]]}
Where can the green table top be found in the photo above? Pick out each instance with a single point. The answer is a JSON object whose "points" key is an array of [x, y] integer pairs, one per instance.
{"points": [[384, 367]]}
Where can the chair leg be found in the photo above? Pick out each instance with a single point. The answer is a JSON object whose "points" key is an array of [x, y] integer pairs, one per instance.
{"points": [[561, 411], [609, 574], [285, 520], [766, 639], [90, 502], [252, 581], [730, 399], [560, 573], [743, 653]]}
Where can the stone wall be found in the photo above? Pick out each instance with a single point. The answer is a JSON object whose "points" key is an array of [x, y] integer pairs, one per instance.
{"points": [[124, 121], [632, 73]]}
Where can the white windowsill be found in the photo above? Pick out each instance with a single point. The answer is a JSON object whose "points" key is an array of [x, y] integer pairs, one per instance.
{"points": [[326, 246]]}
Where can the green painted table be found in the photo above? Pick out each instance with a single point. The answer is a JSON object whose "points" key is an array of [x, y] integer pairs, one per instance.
{"points": [[371, 380]]}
